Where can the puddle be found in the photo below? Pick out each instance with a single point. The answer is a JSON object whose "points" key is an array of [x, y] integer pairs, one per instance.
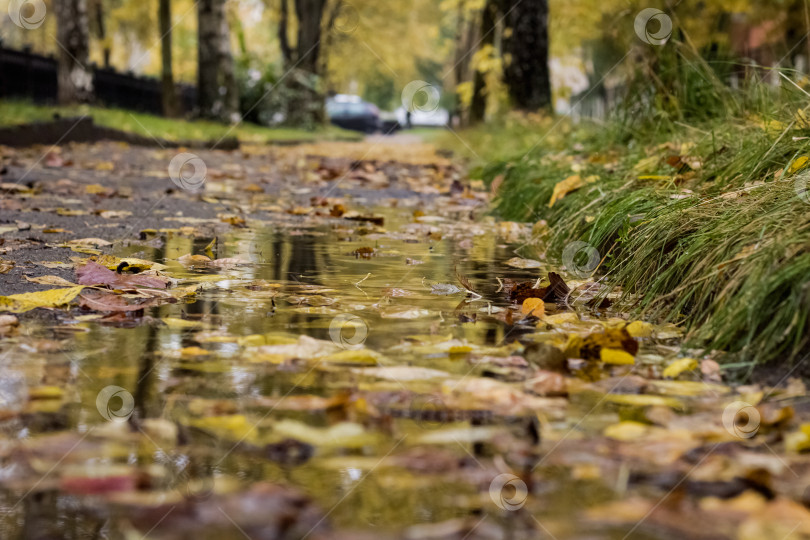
{"points": [[336, 380]]}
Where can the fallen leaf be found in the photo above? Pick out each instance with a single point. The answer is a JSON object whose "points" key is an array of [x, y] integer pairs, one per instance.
{"points": [[99, 301], [561, 189], [20, 303], [534, 307], [639, 329], [50, 280], [616, 356], [679, 366], [95, 274], [517, 262], [626, 431]]}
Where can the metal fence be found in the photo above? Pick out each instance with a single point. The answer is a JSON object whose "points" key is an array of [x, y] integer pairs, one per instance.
{"points": [[25, 75]]}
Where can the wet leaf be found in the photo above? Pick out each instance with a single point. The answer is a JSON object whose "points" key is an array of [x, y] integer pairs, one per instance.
{"points": [[627, 431], [19, 303], [95, 274], [534, 307], [99, 301], [517, 262]]}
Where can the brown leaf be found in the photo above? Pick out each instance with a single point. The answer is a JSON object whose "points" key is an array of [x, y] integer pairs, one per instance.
{"points": [[99, 301], [95, 274]]}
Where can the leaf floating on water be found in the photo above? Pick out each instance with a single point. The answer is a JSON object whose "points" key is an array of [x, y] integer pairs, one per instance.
{"points": [[403, 373], [20, 303], [404, 312], [95, 274], [201, 261], [444, 289], [534, 307], [98, 301], [517, 262], [342, 435], [465, 282], [627, 431], [349, 357], [233, 427]]}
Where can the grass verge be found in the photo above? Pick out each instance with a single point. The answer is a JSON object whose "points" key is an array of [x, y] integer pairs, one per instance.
{"points": [[21, 112], [700, 219]]}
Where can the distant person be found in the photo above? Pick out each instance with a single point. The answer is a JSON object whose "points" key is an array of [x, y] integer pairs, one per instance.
{"points": [[408, 119]]}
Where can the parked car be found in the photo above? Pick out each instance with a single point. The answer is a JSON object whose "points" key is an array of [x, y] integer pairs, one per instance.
{"points": [[351, 112]]}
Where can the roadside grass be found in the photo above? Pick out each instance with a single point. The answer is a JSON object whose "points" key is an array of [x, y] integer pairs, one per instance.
{"points": [[20, 112], [700, 215]]}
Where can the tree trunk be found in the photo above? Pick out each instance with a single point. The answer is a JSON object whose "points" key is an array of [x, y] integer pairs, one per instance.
{"points": [[303, 63], [74, 78], [96, 9], [168, 92], [209, 30], [217, 94], [310, 15], [230, 97], [283, 36], [526, 73], [478, 107]]}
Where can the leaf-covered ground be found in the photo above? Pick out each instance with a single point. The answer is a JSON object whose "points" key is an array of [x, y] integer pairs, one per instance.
{"points": [[337, 341]]}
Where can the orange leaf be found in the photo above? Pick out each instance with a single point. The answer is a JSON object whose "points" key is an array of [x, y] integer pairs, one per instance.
{"points": [[533, 306]]}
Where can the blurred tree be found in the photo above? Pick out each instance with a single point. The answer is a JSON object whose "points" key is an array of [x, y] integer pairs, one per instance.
{"points": [[478, 107], [74, 77], [525, 50], [169, 95], [99, 27], [217, 94], [302, 61]]}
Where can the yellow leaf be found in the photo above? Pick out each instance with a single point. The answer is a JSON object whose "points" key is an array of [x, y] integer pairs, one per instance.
{"points": [[565, 187], [193, 351], [798, 164], [50, 280], [173, 322], [533, 306], [798, 441], [252, 340], [112, 262], [616, 356], [45, 392], [679, 366], [626, 431], [19, 303], [561, 318], [360, 356], [234, 427], [209, 249], [643, 400], [639, 329]]}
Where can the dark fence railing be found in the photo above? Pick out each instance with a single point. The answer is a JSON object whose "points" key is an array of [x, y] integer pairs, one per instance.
{"points": [[26, 75]]}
